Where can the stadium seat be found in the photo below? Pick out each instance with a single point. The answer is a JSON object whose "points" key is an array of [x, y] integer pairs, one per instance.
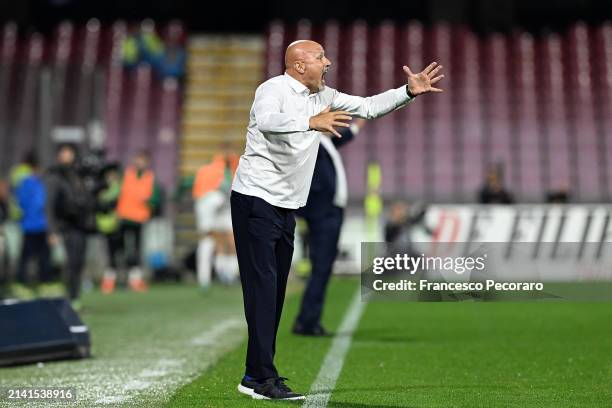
{"points": [[115, 85], [411, 122], [588, 155], [442, 144], [7, 66], [554, 116]]}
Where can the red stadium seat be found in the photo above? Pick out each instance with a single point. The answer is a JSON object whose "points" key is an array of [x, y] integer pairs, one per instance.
{"points": [[554, 115], [7, 69], [410, 122], [441, 144], [588, 155], [497, 109], [115, 89], [528, 137], [467, 71]]}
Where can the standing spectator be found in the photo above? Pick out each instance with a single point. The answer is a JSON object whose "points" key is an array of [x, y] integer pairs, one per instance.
{"points": [[150, 46], [211, 190], [22, 170], [18, 173], [493, 191], [173, 61], [130, 54], [70, 214], [139, 198], [403, 221], [558, 196], [107, 222], [32, 196]]}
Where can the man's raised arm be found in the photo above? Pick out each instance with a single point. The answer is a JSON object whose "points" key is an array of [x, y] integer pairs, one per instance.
{"points": [[383, 103]]}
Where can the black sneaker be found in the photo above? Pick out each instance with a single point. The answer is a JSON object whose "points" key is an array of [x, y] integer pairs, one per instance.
{"points": [[275, 389], [317, 331], [247, 386]]}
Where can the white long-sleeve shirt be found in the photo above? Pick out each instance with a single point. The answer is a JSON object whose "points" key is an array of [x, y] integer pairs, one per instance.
{"points": [[281, 152]]}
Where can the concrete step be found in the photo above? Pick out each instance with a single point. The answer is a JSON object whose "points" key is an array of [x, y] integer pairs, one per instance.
{"points": [[185, 220], [217, 87], [187, 236], [225, 42], [234, 59], [236, 103], [207, 142], [248, 64], [220, 94], [205, 115], [205, 128], [205, 79], [223, 73]]}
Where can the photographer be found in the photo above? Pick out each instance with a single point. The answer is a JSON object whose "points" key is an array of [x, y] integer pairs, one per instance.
{"points": [[70, 212], [404, 221]]}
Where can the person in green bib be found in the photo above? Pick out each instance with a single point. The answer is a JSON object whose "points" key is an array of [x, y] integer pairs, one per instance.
{"points": [[108, 223]]}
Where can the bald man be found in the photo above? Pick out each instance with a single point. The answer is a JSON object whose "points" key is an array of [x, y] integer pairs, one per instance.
{"points": [[273, 179]]}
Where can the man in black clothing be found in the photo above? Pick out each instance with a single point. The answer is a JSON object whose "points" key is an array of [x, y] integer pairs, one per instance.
{"points": [[70, 213], [323, 213], [493, 192]]}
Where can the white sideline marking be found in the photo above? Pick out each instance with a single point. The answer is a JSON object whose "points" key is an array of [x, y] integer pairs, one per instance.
{"points": [[210, 336], [321, 388], [112, 400], [153, 373], [148, 377]]}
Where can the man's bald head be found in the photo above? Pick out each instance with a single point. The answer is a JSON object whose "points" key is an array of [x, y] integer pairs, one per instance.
{"points": [[299, 50], [305, 61]]}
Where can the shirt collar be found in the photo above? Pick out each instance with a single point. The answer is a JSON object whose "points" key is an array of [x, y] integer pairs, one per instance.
{"points": [[296, 85]]}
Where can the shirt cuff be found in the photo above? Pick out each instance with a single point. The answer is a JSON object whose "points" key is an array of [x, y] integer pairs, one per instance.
{"points": [[401, 95], [303, 123]]}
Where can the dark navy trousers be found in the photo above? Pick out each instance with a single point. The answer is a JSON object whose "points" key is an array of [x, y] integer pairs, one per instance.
{"points": [[264, 237], [323, 234]]}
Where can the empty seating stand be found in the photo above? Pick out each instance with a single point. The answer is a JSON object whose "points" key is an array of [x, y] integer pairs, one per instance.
{"points": [[539, 105]]}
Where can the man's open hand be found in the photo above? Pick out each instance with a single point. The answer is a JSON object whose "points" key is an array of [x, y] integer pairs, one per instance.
{"points": [[326, 121], [422, 82]]}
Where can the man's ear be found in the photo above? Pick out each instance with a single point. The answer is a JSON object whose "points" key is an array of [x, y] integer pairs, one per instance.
{"points": [[300, 66]]}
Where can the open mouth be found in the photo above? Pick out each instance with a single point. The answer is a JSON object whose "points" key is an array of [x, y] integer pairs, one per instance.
{"points": [[323, 74]]}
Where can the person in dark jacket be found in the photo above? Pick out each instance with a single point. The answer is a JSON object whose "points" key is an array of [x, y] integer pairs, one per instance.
{"points": [[493, 191], [4, 201], [70, 214], [323, 213], [31, 196]]}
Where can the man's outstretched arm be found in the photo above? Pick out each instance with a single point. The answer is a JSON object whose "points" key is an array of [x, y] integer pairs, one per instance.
{"points": [[383, 103]]}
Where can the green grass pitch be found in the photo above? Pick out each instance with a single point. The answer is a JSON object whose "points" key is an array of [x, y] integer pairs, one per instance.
{"points": [[172, 346]]}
